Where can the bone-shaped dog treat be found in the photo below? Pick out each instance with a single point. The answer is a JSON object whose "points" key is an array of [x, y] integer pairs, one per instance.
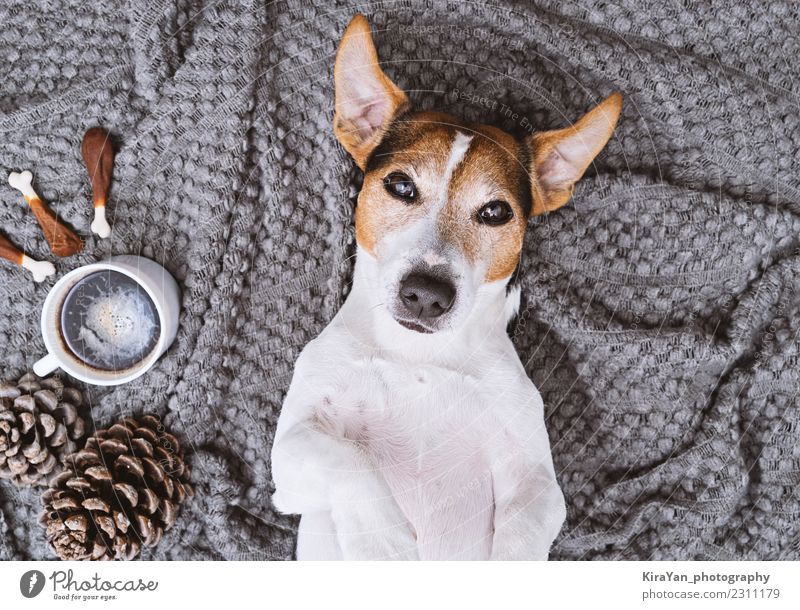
{"points": [[98, 155], [39, 269], [63, 242]]}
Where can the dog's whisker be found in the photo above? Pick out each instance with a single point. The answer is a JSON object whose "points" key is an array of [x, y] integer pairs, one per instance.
{"points": [[349, 258]]}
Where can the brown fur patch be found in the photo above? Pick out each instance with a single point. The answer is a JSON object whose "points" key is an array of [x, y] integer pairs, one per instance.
{"points": [[492, 170], [419, 145], [420, 148]]}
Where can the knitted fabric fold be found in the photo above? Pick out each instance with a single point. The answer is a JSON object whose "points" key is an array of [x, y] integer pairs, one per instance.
{"points": [[660, 308]]}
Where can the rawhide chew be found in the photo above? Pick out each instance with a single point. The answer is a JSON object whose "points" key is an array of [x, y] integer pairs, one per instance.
{"points": [[39, 269], [98, 155], [63, 242]]}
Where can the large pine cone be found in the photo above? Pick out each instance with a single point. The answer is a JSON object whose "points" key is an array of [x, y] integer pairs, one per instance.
{"points": [[122, 491], [39, 427]]}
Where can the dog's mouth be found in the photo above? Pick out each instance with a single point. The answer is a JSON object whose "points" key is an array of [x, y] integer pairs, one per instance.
{"points": [[415, 326]]}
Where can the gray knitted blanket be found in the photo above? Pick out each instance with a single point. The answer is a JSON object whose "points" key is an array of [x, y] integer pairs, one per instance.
{"points": [[660, 308]]}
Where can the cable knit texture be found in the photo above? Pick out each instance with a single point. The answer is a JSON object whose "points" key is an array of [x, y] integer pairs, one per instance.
{"points": [[660, 308]]}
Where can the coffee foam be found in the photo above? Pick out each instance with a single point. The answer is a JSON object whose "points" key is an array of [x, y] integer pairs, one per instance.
{"points": [[117, 326], [108, 322]]}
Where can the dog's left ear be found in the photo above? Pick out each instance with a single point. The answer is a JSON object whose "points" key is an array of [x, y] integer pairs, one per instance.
{"points": [[366, 100], [559, 158]]}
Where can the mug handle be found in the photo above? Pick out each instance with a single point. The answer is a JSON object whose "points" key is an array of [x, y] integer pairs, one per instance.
{"points": [[46, 365]]}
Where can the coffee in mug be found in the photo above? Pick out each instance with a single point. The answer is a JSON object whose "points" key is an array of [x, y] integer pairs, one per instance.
{"points": [[109, 322]]}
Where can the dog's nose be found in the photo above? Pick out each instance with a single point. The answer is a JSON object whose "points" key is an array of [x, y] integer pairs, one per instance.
{"points": [[425, 296]]}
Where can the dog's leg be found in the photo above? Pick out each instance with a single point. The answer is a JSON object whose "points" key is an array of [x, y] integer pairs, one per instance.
{"points": [[318, 468], [529, 505], [316, 538], [315, 472], [311, 468], [370, 524], [527, 523]]}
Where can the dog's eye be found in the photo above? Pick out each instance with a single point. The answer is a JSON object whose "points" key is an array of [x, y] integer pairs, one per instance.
{"points": [[495, 213], [400, 185]]}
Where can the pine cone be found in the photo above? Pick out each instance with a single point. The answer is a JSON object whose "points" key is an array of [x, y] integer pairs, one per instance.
{"points": [[39, 427], [122, 491]]}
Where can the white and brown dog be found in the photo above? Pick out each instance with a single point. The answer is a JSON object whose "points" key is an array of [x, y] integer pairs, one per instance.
{"points": [[410, 429]]}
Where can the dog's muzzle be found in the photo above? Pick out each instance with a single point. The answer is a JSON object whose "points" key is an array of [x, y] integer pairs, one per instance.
{"points": [[423, 299]]}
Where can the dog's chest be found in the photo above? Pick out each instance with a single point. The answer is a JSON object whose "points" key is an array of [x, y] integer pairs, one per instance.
{"points": [[429, 431]]}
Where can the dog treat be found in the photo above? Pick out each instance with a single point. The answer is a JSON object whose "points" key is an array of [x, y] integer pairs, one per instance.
{"points": [[63, 242], [98, 155], [39, 269]]}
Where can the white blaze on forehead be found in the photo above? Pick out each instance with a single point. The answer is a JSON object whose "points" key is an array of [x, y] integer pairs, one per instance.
{"points": [[426, 228], [458, 150]]}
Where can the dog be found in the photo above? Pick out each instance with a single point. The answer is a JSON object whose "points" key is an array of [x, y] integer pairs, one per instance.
{"points": [[410, 429]]}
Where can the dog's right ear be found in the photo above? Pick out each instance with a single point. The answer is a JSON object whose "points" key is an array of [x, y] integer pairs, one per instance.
{"points": [[366, 100]]}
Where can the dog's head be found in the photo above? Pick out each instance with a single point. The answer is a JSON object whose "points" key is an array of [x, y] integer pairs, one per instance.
{"points": [[444, 203]]}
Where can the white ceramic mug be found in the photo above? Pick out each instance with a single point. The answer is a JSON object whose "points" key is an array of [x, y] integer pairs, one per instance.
{"points": [[152, 277]]}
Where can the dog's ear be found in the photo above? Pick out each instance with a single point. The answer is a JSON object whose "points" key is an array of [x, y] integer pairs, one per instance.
{"points": [[560, 157], [366, 100]]}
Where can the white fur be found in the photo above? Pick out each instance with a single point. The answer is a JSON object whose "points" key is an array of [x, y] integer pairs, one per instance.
{"points": [[458, 150], [394, 444], [433, 259]]}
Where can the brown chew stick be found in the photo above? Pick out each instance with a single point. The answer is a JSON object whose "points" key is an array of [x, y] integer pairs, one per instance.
{"points": [[98, 155], [9, 251], [63, 242], [39, 269]]}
